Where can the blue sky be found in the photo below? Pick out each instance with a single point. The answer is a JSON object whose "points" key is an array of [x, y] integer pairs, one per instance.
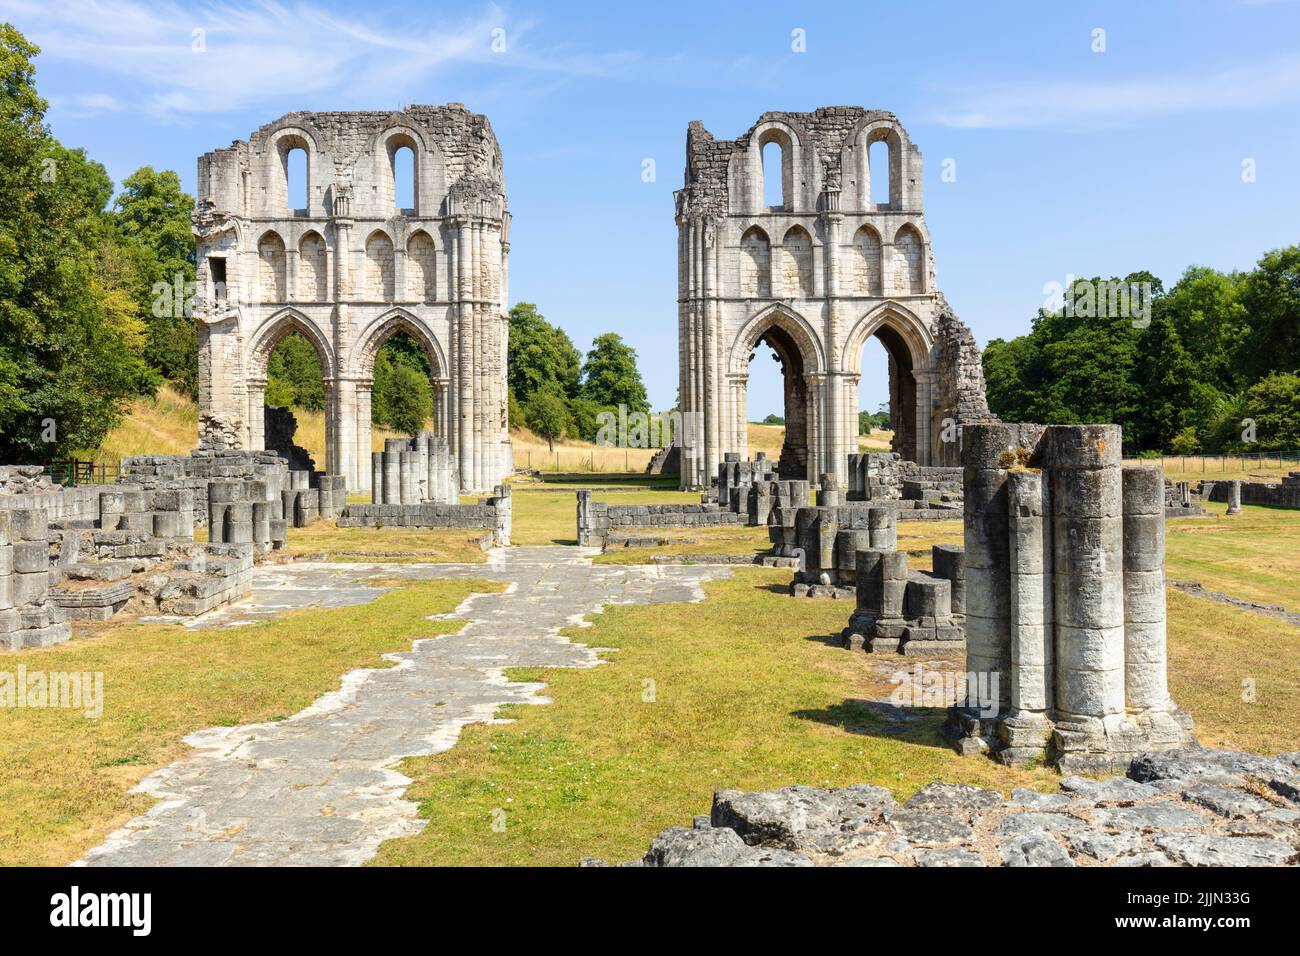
{"points": [[1067, 160]]}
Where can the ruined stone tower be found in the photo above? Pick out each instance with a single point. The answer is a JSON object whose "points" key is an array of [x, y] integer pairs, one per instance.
{"points": [[350, 268], [814, 277]]}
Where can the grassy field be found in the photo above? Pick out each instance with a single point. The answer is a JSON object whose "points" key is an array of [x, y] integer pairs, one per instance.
{"points": [[1254, 555], [324, 541], [1196, 468], [743, 704], [747, 693], [65, 778]]}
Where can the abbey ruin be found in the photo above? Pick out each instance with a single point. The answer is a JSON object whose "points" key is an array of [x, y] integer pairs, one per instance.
{"points": [[350, 269], [814, 277]]}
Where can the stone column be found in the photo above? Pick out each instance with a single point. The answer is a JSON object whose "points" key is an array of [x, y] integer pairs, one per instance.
{"points": [[988, 597], [256, 413], [883, 528], [393, 471], [407, 461], [1145, 663], [1088, 574], [377, 477], [1030, 588], [1234, 497], [361, 431]]}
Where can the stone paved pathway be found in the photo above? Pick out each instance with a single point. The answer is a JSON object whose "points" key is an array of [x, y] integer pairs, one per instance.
{"points": [[319, 788]]}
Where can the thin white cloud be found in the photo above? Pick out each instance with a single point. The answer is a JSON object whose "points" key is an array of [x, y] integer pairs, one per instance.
{"points": [[255, 51], [1121, 102]]}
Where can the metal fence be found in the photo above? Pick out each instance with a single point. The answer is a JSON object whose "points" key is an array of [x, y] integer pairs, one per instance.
{"points": [[1237, 462], [74, 472]]}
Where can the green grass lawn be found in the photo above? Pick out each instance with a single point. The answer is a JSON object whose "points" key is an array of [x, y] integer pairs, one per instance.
{"points": [[325, 541], [1254, 555], [65, 778]]}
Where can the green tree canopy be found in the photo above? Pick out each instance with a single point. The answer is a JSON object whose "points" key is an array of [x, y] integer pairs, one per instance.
{"points": [[153, 212], [547, 415], [610, 376], [71, 334], [540, 356]]}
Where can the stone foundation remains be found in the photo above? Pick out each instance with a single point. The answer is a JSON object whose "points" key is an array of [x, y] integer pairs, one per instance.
{"points": [[413, 471], [1065, 610], [908, 612], [492, 515], [1186, 807], [1283, 494], [596, 519]]}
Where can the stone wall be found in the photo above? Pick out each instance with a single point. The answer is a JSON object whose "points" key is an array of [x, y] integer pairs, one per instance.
{"points": [[346, 268], [1283, 494], [493, 515], [596, 519]]}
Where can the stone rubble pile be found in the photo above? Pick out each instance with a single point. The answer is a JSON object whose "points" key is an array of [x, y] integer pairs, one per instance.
{"points": [[1186, 807]]}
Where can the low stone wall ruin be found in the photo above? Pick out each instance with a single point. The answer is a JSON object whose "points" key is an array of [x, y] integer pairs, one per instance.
{"points": [[493, 515], [1283, 494], [597, 519]]}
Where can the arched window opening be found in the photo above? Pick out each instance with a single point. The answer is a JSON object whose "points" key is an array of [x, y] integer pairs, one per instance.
{"points": [[404, 180], [774, 196], [887, 396], [295, 174], [878, 172]]}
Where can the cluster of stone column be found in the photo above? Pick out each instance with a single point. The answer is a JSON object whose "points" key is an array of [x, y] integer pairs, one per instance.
{"points": [[415, 470], [737, 477], [252, 511], [908, 612], [27, 617], [1065, 604]]}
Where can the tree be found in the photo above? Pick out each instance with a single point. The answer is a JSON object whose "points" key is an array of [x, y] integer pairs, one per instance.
{"points": [[293, 375], [409, 404], [547, 416], [70, 343], [1165, 375], [773, 419], [1273, 404], [402, 397], [540, 356], [153, 212], [610, 377], [1271, 297]]}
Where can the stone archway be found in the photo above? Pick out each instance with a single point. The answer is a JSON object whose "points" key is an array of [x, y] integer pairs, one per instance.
{"points": [[369, 341], [264, 341]]}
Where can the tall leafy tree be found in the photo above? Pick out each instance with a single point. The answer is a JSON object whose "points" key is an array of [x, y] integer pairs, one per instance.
{"points": [[153, 212], [610, 376], [1271, 297], [540, 356], [70, 339]]}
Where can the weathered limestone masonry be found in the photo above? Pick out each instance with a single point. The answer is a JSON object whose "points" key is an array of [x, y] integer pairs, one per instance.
{"points": [[1181, 501], [596, 519], [493, 515], [350, 269], [814, 277], [1188, 807], [1065, 608], [411, 471], [921, 491], [1284, 494], [908, 612], [27, 617], [827, 538], [137, 552]]}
